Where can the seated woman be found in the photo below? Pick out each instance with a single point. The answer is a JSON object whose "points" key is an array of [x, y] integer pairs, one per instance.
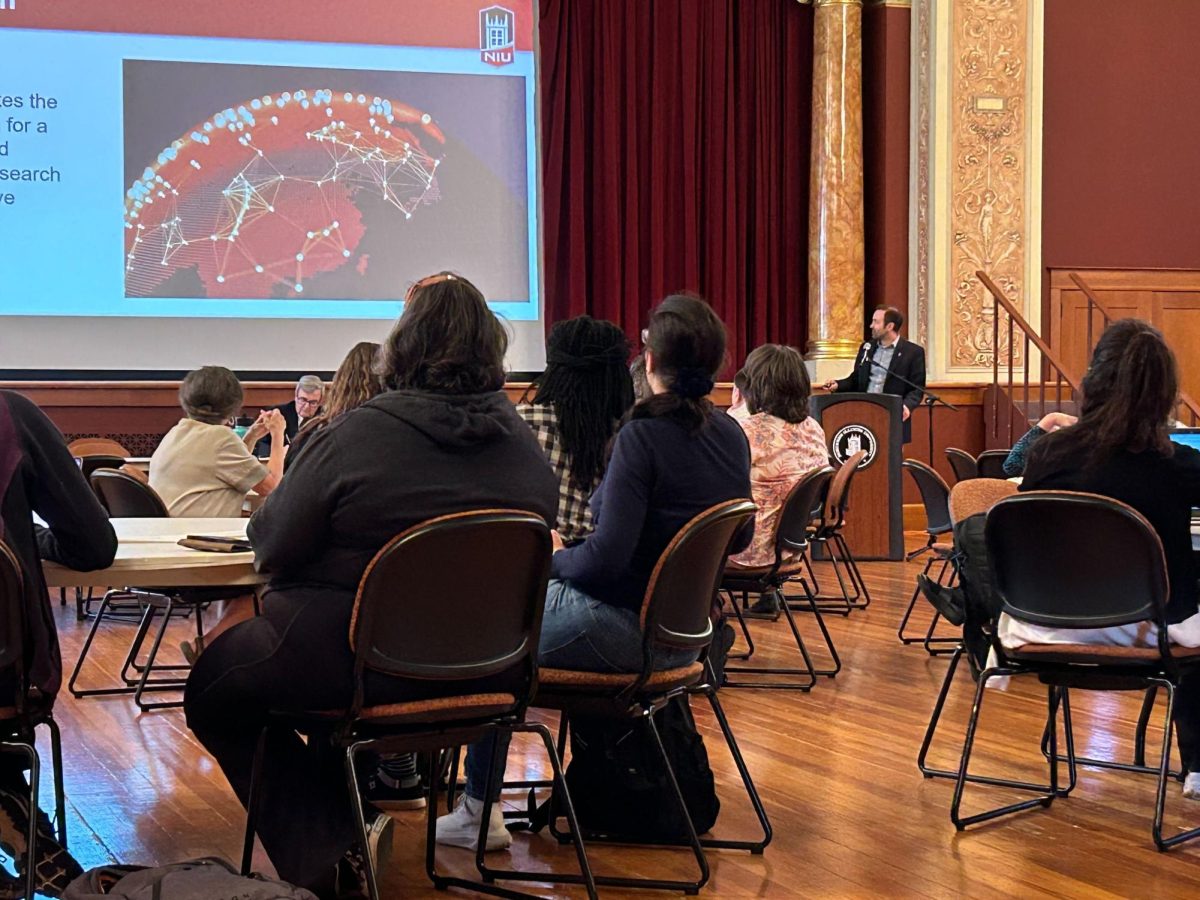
{"points": [[1014, 463], [202, 468], [786, 443], [443, 439], [578, 402], [675, 457], [1121, 448], [354, 383], [38, 475]]}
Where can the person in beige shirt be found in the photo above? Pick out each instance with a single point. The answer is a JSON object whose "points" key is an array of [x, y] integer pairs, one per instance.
{"points": [[202, 469]]}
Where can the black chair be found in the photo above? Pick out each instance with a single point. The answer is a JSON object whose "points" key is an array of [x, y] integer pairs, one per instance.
{"points": [[27, 709], [1115, 575], [963, 463], [501, 563], [828, 534], [675, 614], [935, 497], [90, 464], [127, 497], [991, 463], [792, 531]]}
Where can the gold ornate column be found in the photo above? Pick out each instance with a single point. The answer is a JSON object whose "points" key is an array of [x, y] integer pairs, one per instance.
{"points": [[835, 214]]}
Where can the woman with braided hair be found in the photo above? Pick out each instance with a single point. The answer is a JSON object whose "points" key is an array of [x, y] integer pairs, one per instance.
{"points": [[674, 457], [578, 401]]}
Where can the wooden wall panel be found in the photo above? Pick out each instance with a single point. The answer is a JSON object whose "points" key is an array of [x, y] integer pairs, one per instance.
{"points": [[1167, 298], [138, 414]]}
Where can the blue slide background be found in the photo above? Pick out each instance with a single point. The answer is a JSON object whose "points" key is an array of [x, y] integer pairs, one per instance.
{"points": [[61, 245]]}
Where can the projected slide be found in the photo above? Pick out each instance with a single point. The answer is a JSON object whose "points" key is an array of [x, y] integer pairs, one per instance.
{"points": [[207, 160]]}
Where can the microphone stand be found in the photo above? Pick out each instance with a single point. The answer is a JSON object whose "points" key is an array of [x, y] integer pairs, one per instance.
{"points": [[928, 398]]}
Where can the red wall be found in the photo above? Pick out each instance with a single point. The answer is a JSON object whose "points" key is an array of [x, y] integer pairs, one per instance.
{"points": [[1121, 178]]}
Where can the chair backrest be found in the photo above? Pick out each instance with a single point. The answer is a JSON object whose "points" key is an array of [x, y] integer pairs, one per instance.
{"points": [[935, 496], [1069, 560], [493, 564], [839, 490], [126, 497], [89, 464], [963, 463], [978, 495], [97, 447], [678, 599], [12, 618], [803, 504], [991, 463]]}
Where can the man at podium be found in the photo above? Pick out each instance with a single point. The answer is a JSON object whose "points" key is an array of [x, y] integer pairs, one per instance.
{"points": [[888, 364]]}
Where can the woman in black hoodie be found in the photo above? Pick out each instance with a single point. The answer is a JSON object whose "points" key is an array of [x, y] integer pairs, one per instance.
{"points": [[443, 439]]}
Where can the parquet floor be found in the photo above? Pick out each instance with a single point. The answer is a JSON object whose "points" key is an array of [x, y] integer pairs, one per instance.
{"points": [[836, 768]]}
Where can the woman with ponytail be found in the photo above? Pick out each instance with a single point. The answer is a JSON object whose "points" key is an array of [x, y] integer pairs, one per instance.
{"points": [[1121, 448], [674, 457]]}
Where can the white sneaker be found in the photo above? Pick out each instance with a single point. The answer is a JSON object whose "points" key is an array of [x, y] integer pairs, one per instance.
{"points": [[461, 827], [1191, 786]]}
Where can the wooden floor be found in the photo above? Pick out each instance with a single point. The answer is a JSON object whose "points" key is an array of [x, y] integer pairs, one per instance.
{"points": [[836, 768]]}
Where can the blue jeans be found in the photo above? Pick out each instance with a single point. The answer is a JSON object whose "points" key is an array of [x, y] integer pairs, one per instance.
{"points": [[582, 633]]}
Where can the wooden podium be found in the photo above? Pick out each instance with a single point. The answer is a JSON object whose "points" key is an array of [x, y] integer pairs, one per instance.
{"points": [[871, 422]]}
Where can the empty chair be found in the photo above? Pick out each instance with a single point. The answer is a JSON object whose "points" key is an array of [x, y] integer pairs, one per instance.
{"points": [[991, 463], [828, 534], [935, 497], [963, 463]]}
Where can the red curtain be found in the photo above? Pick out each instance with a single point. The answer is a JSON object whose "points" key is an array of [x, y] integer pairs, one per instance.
{"points": [[675, 140]]}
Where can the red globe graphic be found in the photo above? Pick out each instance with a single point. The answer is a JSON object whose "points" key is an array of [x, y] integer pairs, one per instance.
{"points": [[261, 196]]}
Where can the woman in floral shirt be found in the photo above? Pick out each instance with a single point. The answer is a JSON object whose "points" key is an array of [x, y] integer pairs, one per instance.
{"points": [[786, 443]]}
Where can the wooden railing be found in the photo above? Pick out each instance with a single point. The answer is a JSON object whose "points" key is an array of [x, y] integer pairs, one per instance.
{"points": [[1046, 386], [1187, 411]]}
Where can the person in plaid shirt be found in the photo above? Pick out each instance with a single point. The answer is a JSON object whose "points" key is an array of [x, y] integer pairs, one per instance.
{"points": [[577, 404]]}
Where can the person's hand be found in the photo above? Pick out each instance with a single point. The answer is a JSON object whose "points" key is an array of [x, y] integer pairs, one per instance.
{"points": [[258, 430], [1056, 420], [830, 386], [556, 541], [905, 412], [276, 423]]}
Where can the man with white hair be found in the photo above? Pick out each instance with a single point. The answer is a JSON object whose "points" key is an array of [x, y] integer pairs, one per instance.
{"points": [[304, 406]]}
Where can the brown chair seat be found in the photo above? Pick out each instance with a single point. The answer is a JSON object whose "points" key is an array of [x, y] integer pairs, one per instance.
{"points": [[1098, 654], [438, 709], [575, 680], [790, 567]]}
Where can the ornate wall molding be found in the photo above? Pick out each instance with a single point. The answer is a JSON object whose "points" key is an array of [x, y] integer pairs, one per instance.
{"points": [[977, 174]]}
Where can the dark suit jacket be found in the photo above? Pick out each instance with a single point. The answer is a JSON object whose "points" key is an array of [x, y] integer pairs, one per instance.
{"points": [[263, 447], [908, 361]]}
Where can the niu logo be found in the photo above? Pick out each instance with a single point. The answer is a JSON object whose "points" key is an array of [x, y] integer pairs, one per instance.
{"points": [[497, 35]]}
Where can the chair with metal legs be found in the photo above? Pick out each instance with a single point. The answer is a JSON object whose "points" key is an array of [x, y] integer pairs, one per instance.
{"points": [[828, 534], [1067, 561], [501, 563], [27, 709], [127, 497], [791, 541], [675, 615], [935, 497]]}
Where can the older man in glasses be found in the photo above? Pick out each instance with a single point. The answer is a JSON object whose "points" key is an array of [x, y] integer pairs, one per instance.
{"points": [[304, 406]]}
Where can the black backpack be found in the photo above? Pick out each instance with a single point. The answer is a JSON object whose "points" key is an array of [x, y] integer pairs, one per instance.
{"points": [[620, 787]]}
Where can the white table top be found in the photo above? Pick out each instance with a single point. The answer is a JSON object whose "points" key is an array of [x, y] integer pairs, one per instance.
{"points": [[148, 554]]}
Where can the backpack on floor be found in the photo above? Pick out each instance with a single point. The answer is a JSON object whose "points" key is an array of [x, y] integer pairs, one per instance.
{"points": [[619, 786], [197, 879]]}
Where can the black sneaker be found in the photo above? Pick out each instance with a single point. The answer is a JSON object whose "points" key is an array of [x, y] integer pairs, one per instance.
{"points": [[55, 868], [383, 792], [765, 607]]}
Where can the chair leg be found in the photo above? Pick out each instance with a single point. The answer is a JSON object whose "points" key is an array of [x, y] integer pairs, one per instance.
{"points": [[826, 636], [252, 801], [60, 793], [851, 564], [135, 646], [749, 651], [561, 800], [1049, 791], [912, 605], [681, 804], [936, 716], [755, 847], [360, 819], [145, 683], [34, 763], [838, 604], [809, 671], [1164, 770]]}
